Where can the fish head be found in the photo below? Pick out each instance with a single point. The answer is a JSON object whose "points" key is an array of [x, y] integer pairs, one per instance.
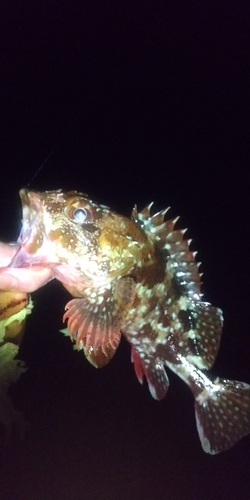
{"points": [[68, 231]]}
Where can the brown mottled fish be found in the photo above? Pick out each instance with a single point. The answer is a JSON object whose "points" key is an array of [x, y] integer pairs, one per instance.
{"points": [[136, 277]]}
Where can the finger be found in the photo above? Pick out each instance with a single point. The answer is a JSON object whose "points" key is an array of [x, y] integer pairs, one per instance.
{"points": [[24, 280]]}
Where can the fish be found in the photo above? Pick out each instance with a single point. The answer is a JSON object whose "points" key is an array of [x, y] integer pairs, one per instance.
{"points": [[136, 277]]}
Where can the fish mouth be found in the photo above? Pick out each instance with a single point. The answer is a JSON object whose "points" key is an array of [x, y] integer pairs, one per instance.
{"points": [[32, 236], [31, 206]]}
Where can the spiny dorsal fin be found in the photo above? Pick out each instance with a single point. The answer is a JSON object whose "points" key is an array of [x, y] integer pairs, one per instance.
{"points": [[180, 261]]}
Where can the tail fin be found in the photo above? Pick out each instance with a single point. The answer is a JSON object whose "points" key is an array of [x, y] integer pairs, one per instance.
{"points": [[223, 414]]}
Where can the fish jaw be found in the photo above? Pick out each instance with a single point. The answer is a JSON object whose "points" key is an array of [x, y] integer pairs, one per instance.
{"points": [[35, 247]]}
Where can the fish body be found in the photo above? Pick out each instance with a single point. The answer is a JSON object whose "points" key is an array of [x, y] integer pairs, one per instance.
{"points": [[137, 278]]}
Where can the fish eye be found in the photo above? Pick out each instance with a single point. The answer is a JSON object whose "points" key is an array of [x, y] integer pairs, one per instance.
{"points": [[79, 214]]}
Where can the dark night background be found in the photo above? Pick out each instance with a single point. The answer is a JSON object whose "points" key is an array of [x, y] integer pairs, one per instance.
{"points": [[138, 101]]}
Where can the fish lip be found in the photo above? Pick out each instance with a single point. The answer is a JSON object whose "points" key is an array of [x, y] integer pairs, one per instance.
{"points": [[31, 206], [30, 199], [32, 217]]}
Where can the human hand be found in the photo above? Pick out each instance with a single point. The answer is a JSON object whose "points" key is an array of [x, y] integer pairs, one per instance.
{"points": [[20, 279]]}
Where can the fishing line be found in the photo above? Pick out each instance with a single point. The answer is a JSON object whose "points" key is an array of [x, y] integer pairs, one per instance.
{"points": [[53, 149]]}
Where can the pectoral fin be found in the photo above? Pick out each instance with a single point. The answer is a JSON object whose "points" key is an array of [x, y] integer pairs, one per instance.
{"points": [[95, 321]]}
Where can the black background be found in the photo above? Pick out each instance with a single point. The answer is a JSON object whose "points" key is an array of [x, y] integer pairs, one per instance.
{"points": [[128, 102]]}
